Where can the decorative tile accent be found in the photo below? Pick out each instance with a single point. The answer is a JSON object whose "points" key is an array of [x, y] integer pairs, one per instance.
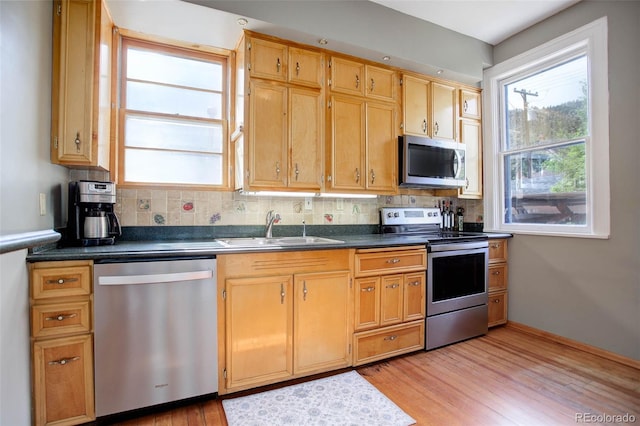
{"points": [[144, 204], [187, 206], [158, 219], [328, 218], [215, 218]]}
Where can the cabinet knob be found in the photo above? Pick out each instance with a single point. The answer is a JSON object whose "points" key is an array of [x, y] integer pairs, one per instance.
{"points": [[373, 85], [368, 289], [393, 261], [424, 125], [373, 176], [297, 68], [391, 338], [357, 175], [396, 285], [465, 106], [357, 81], [61, 280], [77, 142], [278, 65]]}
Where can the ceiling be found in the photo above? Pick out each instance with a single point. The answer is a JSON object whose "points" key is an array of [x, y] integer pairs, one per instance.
{"points": [[491, 21]]}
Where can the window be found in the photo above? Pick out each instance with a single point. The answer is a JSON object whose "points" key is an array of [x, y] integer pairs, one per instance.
{"points": [[173, 118], [547, 171]]}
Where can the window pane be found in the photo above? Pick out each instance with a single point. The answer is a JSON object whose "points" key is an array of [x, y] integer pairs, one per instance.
{"points": [[168, 69], [172, 167], [172, 100], [183, 135], [546, 186], [548, 106]]}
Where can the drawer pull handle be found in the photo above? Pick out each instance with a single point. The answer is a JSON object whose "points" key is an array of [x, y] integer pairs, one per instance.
{"points": [[391, 338], [282, 293], [304, 290], [368, 289], [62, 281], [496, 272], [496, 300], [64, 361], [60, 317], [396, 285], [415, 283], [393, 261], [495, 245]]}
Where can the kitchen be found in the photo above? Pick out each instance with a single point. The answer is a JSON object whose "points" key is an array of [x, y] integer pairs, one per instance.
{"points": [[585, 290]]}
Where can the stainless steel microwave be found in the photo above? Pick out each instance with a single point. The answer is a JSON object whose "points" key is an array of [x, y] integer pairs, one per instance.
{"points": [[431, 163]]}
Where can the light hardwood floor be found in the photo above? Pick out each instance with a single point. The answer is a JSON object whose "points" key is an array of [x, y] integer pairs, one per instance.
{"points": [[508, 377]]}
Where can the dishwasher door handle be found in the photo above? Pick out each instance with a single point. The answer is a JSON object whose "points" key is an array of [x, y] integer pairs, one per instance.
{"points": [[154, 278]]}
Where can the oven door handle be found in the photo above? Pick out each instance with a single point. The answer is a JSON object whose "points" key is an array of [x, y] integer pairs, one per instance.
{"points": [[457, 246]]}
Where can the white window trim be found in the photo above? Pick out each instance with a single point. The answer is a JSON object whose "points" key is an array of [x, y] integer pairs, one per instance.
{"points": [[593, 37]]}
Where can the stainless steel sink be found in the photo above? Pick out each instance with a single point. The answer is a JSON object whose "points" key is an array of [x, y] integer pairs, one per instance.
{"points": [[261, 242]]}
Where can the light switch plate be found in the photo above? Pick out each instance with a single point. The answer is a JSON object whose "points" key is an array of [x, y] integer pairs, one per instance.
{"points": [[308, 203], [43, 204]]}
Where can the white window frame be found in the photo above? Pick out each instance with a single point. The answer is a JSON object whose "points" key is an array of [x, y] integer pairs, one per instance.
{"points": [[591, 39]]}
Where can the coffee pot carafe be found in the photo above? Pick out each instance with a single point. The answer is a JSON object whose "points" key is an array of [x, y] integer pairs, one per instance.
{"points": [[96, 224]]}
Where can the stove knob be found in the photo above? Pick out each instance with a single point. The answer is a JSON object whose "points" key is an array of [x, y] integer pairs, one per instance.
{"points": [[389, 214], [396, 214]]}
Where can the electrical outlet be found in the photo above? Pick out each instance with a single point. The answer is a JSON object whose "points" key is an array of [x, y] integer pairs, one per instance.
{"points": [[308, 203], [43, 204], [339, 204]]}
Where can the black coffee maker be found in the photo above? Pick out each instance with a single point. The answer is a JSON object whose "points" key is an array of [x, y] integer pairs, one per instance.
{"points": [[91, 220]]}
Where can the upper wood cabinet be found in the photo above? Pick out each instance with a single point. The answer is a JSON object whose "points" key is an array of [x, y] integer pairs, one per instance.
{"points": [[284, 116], [415, 105], [267, 59], [444, 111], [356, 78], [470, 104], [471, 136], [430, 108], [347, 76], [81, 101], [362, 150], [305, 67]]}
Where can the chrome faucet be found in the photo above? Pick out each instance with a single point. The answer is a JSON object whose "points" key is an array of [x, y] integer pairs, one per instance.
{"points": [[304, 229], [271, 218]]}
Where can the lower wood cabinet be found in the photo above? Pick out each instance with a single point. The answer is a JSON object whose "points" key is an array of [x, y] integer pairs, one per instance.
{"points": [[498, 282], [62, 342], [285, 315], [390, 294]]}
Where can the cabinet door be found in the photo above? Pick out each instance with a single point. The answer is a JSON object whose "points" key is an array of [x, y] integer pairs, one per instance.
{"points": [[347, 76], [63, 380], [367, 303], [305, 67], [259, 330], [267, 59], [268, 135], [497, 308], [415, 95], [382, 148], [471, 136], [322, 321], [347, 143], [391, 300], [305, 140], [73, 96], [380, 83], [470, 104], [414, 296], [445, 111]]}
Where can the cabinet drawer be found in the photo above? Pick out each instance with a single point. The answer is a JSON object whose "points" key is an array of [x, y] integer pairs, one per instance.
{"points": [[497, 308], [385, 262], [498, 277], [60, 318], [63, 380], [497, 251], [389, 341], [61, 281]]}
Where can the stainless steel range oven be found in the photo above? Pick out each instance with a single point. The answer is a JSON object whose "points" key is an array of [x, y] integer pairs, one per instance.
{"points": [[457, 274], [456, 291]]}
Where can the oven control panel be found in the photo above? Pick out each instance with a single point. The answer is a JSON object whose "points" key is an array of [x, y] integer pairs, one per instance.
{"points": [[409, 216]]}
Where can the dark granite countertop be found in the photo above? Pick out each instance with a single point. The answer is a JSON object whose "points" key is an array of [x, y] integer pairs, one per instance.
{"points": [[197, 247]]}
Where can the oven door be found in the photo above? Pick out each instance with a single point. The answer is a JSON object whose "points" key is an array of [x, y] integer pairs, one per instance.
{"points": [[457, 275]]}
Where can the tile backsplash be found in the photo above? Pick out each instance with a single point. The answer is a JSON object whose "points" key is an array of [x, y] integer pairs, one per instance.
{"points": [[145, 207]]}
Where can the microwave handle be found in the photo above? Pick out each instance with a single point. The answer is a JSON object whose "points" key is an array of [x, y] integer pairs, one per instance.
{"points": [[455, 164]]}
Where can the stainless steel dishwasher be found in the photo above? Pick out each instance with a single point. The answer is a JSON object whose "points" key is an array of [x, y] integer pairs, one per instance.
{"points": [[155, 325]]}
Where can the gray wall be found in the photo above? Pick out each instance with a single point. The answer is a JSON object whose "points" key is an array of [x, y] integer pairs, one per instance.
{"points": [[25, 171], [583, 289]]}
